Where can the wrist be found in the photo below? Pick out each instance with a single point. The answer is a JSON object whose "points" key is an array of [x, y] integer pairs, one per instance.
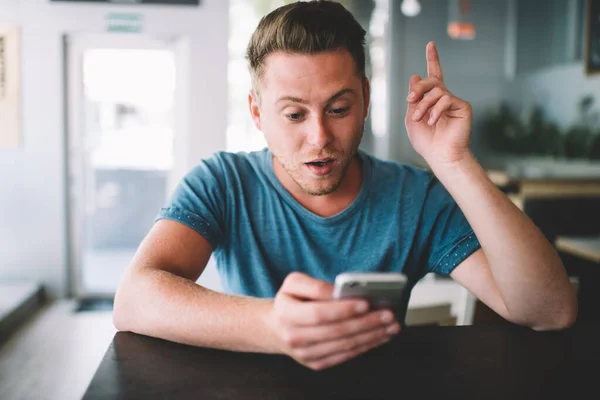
{"points": [[449, 171], [270, 339]]}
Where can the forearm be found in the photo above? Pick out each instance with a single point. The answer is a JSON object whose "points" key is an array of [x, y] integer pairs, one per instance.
{"points": [[527, 270], [158, 303]]}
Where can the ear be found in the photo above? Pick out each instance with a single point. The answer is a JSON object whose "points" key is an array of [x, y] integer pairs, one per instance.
{"points": [[366, 96], [254, 106]]}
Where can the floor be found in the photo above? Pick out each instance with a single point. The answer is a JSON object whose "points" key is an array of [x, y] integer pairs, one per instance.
{"points": [[54, 355]]}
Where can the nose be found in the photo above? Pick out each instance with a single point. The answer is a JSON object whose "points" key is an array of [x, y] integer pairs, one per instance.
{"points": [[318, 134]]}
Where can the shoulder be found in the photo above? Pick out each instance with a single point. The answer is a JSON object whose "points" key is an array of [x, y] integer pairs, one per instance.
{"points": [[224, 165], [240, 160], [388, 172]]}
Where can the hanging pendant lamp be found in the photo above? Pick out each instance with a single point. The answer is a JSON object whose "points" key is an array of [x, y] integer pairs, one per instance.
{"points": [[460, 26]]}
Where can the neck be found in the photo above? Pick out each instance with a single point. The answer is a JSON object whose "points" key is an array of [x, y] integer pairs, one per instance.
{"points": [[329, 204]]}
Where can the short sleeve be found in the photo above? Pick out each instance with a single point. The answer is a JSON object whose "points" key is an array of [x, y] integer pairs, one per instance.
{"points": [[451, 238], [199, 200]]}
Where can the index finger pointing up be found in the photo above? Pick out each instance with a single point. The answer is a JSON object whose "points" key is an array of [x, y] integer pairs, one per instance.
{"points": [[433, 62]]}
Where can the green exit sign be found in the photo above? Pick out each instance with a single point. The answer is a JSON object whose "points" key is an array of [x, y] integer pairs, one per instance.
{"points": [[124, 22]]}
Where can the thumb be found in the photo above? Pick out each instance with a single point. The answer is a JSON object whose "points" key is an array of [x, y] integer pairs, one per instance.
{"points": [[413, 80], [302, 286], [411, 106]]}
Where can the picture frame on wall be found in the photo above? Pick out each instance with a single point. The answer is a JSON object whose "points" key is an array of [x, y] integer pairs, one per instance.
{"points": [[592, 37], [10, 87]]}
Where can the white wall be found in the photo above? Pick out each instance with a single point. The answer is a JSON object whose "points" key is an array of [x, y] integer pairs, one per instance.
{"points": [[33, 242]]}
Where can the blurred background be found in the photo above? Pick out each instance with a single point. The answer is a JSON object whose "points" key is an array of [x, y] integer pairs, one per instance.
{"points": [[106, 104]]}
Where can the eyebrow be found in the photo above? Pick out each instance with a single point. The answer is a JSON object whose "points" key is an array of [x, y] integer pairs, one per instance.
{"points": [[329, 100]]}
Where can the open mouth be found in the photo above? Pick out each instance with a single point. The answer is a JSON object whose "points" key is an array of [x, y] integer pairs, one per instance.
{"points": [[321, 167], [321, 163]]}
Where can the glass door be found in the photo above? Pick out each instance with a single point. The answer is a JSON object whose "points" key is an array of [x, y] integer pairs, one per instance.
{"points": [[120, 107]]}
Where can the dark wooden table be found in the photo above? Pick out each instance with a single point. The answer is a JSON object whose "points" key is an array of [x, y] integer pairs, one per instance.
{"points": [[466, 362]]}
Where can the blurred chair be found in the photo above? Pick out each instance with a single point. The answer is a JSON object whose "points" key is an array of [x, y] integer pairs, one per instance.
{"points": [[435, 302], [565, 216], [568, 216], [572, 216], [440, 315]]}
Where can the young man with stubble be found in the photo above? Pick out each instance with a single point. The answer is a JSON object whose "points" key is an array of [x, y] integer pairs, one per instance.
{"points": [[283, 222]]}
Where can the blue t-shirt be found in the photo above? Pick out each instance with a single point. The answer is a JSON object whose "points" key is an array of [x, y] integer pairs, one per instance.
{"points": [[403, 220]]}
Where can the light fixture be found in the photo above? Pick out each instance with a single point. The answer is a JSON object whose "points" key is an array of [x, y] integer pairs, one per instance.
{"points": [[410, 8], [459, 26]]}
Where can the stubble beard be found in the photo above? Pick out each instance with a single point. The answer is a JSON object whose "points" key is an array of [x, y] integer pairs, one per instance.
{"points": [[294, 170]]}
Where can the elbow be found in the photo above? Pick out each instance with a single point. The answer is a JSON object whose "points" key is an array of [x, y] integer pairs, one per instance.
{"points": [[569, 316], [119, 319], [130, 310], [569, 320], [558, 323], [122, 315], [562, 319]]}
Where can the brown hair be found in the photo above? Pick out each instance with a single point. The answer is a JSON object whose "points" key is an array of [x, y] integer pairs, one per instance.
{"points": [[307, 28]]}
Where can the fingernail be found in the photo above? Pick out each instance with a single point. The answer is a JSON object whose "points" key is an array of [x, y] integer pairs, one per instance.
{"points": [[430, 122], [393, 329], [387, 317], [416, 115], [361, 307], [411, 96]]}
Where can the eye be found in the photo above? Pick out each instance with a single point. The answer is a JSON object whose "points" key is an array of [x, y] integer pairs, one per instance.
{"points": [[294, 117], [338, 112]]}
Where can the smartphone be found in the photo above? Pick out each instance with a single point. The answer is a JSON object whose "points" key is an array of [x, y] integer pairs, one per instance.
{"points": [[380, 289]]}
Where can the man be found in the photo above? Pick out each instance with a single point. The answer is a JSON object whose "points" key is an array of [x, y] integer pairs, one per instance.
{"points": [[283, 222]]}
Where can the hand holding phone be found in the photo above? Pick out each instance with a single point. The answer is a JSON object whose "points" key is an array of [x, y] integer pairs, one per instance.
{"points": [[320, 332]]}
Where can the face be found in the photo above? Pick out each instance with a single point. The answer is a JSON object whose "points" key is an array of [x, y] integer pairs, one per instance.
{"points": [[311, 109]]}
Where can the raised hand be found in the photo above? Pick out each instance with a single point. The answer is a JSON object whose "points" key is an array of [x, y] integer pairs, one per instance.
{"points": [[438, 123]]}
